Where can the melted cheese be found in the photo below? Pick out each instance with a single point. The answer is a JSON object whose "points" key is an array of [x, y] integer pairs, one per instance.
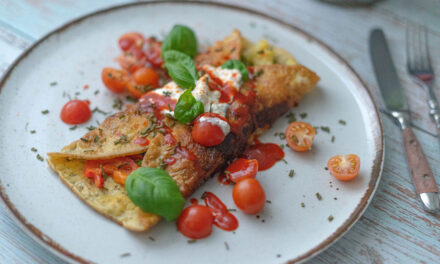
{"points": [[217, 122]]}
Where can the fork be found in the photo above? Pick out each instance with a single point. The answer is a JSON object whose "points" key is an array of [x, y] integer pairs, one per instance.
{"points": [[418, 63]]}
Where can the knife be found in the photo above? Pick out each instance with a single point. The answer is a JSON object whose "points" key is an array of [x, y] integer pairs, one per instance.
{"points": [[397, 108]]}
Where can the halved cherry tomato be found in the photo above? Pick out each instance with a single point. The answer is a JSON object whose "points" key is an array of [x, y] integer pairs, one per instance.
{"points": [[344, 167], [195, 221], [141, 141], [75, 112], [249, 196], [93, 169], [153, 53], [131, 40], [115, 80], [242, 169], [132, 60], [300, 135], [144, 80], [206, 132]]}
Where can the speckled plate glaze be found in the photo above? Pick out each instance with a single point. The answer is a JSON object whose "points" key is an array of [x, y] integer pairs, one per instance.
{"points": [[61, 63]]}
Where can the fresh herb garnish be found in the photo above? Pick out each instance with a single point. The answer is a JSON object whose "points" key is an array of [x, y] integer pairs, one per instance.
{"points": [[303, 205], [303, 115], [34, 149], [330, 218], [125, 255], [33, 131], [226, 245], [294, 138], [73, 127], [117, 103], [282, 135], [96, 92], [232, 210], [182, 39], [45, 112], [39, 157], [236, 64], [166, 93], [53, 83], [283, 160], [291, 117], [318, 195], [325, 129], [90, 128], [190, 241], [151, 238], [181, 69], [187, 108], [291, 173], [84, 139], [131, 99], [122, 140], [96, 109], [268, 201], [122, 165], [333, 139], [154, 191], [139, 163], [342, 122], [258, 73]]}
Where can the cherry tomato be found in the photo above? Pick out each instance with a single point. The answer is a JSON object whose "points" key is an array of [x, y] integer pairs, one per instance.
{"points": [[195, 221], [242, 169], [153, 53], [131, 40], [115, 80], [141, 141], [299, 136], [92, 169], [344, 167], [206, 132], [118, 168], [75, 112], [144, 80], [132, 60], [249, 196]]}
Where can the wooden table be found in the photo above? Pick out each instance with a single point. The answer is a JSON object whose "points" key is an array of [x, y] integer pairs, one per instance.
{"points": [[394, 229]]}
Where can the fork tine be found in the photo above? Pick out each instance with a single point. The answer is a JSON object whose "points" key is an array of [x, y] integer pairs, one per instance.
{"points": [[427, 55]]}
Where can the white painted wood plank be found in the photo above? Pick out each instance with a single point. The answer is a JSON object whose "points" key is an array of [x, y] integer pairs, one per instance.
{"points": [[394, 229]]}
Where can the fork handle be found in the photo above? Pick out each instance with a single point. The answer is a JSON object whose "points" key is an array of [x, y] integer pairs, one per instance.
{"points": [[421, 173]]}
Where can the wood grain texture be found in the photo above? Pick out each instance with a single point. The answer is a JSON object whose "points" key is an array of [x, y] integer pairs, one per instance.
{"points": [[395, 228]]}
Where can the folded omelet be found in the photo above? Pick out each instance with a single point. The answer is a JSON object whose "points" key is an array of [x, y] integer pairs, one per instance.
{"points": [[277, 88]]}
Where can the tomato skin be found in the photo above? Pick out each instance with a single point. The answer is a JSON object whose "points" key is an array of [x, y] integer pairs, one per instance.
{"points": [[92, 169], [300, 135], [75, 112], [118, 168], [153, 53], [144, 79], [131, 40], [249, 196], [207, 134], [195, 221], [344, 167], [241, 169], [115, 80]]}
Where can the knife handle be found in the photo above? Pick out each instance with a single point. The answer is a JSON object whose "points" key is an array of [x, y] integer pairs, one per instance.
{"points": [[421, 173]]}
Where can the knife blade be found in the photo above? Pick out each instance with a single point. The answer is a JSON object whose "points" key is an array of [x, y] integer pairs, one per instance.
{"points": [[395, 101], [386, 74]]}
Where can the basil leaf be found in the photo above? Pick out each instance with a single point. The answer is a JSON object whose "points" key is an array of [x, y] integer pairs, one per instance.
{"points": [[181, 38], [181, 68], [236, 64], [154, 191], [187, 108]]}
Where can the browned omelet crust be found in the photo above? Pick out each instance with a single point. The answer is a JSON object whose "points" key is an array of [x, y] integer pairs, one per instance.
{"points": [[277, 88], [227, 49]]}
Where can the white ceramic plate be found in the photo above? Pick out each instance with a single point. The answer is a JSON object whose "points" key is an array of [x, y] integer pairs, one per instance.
{"points": [[74, 55]]}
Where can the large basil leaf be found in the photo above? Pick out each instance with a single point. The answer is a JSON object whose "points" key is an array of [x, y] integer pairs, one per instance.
{"points": [[181, 38], [154, 191], [236, 64], [181, 68], [187, 108]]}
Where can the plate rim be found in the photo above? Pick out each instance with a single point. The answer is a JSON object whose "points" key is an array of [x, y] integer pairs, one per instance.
{"points": [[378, 141]]}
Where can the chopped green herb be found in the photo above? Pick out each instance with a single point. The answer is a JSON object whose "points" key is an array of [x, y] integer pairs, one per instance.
{"points": [[259, 73], [139, 163], [325, 129], [117, 103], [333, 139], [96, 92], [122, 140], [285, 161], [90, 128], [282, 146], [53, 83], [330, 218], [268, 201], [166, 93], [77, 93], [232, 210], [121, 116], [45, 112], [131, 99], [260, 52], [291, 117], [294, 138], [34, 149], [26, 126], [190, 241], [39, 157], [84, 139], [291, 173], [282, 135], [342, 122], [125, 255], [303, 115], [33, 131], [96, 109], [104, 175], [73, 128], [303, 205], [122, 165], [232, 50], [226, 245], [152, 238], [318, 195]]}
